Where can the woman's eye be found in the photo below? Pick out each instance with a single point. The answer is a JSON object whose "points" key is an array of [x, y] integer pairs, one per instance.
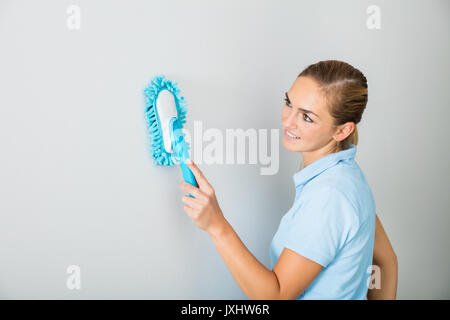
{"points": [[306, 118]]}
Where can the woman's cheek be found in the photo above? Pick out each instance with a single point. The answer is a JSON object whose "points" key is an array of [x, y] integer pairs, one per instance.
{"points": [[309, 134], [304, 132]]}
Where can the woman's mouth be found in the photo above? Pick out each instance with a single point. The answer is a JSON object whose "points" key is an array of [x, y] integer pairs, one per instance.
{"points": [[290, 136]]}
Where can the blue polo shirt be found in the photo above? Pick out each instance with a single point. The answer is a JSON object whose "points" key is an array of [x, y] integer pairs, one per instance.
{"points": [[331, 222]]}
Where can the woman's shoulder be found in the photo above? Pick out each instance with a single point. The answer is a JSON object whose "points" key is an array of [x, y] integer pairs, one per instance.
{"points": [[344, 182], [346, 177]]}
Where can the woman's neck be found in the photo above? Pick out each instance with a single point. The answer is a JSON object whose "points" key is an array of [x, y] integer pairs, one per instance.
{"points": [[311, 156]]}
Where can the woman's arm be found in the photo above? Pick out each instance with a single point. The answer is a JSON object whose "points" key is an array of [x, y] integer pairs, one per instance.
{"points": [[254, 279], [291, 275], [289, 278], [385, 258]]}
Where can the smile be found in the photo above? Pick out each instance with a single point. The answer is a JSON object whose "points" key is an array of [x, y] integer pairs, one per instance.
{"points": [[290, 136]]}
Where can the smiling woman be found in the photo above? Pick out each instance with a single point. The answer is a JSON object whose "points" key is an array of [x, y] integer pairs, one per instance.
{"points": [[324, 245], [322, 109]]}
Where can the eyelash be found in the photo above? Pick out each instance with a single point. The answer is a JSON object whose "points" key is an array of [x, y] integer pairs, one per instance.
{"points": [[304, 114]]}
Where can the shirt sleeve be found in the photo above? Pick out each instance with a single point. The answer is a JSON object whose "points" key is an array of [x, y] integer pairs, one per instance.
{"points": [[321, 226]]}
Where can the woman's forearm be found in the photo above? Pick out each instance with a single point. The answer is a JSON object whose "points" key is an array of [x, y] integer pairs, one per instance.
{"points": [[385, 258], [388, 283], [254, 279]]}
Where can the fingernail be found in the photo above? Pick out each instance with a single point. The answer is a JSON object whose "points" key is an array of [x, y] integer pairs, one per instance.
{"points": [[188, 161]]}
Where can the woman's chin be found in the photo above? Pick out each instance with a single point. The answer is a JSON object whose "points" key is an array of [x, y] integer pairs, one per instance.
{"points": [[293, 146]]}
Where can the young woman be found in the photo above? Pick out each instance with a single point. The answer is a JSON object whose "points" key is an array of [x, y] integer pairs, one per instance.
{"points": [[326, 243]]}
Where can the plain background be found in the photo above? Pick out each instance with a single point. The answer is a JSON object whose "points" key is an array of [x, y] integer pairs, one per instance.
{"points": [[77, 182]]}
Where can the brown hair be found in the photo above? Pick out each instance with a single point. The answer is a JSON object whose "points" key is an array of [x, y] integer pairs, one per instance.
{"points": [[345, 89]]}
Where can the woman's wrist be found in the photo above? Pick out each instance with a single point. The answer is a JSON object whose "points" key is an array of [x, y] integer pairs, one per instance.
{"points": [[220, 229]]}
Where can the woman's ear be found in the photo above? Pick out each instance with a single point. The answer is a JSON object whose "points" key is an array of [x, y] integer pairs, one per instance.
{"points": [[343, 131]]}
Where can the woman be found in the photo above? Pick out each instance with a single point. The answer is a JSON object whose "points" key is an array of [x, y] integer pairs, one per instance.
{"points": [[326, 243]]}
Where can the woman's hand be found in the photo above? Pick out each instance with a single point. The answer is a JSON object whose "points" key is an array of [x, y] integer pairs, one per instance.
{"points": [[204, 209]]}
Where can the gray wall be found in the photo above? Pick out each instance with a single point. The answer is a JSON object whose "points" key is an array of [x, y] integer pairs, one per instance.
{"points": [[78, 185]]}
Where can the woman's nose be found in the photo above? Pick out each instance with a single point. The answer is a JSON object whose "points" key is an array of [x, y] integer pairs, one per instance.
{"points": [[290, 120]]}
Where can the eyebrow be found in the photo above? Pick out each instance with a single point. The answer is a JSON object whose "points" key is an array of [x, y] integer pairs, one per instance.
{"points": [[301, 109]]}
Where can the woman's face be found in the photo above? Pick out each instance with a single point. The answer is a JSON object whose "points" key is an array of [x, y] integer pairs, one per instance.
{"points": [[306, 116]]}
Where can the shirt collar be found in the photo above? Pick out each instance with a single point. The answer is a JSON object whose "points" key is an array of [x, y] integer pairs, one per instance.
{"points": [[317, 167]]}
